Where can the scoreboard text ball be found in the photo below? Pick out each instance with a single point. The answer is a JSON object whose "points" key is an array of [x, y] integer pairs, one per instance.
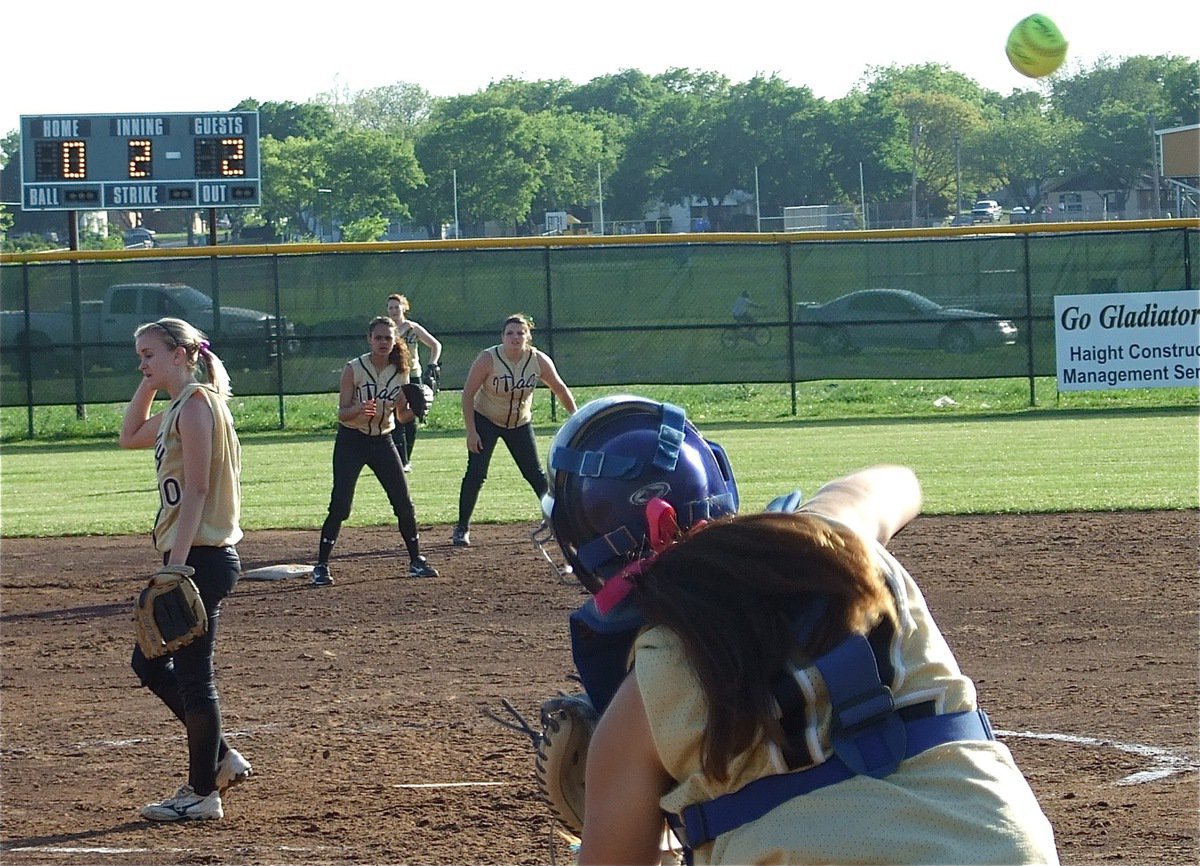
{"points": [[140, 161]]}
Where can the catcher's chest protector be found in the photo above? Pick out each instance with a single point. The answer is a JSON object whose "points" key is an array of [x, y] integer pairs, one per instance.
{"points": [[600, 646], [869, 736]]}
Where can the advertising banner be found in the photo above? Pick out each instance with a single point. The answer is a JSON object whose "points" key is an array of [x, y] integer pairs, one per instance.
{"points": [[1128, 340]]}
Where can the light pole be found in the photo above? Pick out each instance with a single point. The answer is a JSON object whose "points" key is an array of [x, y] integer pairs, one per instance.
{"points": [[757, 205], [916, 137], [600, 196], [862, 196], [957, 176], [320, 191], [1154, 163]]}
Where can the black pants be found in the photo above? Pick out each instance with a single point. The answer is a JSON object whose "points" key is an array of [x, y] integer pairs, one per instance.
{"points": [[352, 450], [184, 680], [405, 437], [521, 445]]}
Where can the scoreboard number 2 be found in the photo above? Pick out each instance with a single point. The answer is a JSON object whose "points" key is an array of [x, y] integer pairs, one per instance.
{"points": [[140, 159], [220, 157]]}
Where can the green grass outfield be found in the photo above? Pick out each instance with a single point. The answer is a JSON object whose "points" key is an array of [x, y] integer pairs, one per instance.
{"points": [[983, 454]]}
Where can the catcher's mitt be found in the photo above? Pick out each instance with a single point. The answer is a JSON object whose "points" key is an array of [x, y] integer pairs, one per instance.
{"points": [[169, 613], [567, 725], [419, 397], [431, 375]]}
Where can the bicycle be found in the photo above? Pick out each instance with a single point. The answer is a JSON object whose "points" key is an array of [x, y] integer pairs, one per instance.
{"points": [[751, 332]]}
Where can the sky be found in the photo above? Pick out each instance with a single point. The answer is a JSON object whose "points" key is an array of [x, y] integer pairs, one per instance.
{"points": [[88, 57]]}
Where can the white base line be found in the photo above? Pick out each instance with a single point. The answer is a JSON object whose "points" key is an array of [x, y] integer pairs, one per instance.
{"points": [[1165, 762], [453, 784], [63, 849]]}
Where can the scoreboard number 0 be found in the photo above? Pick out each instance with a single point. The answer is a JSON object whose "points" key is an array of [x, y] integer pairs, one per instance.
{"points": [[61, 160]]}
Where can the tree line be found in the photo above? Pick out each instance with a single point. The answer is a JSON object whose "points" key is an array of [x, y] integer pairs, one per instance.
{"points": [[516, 149]]}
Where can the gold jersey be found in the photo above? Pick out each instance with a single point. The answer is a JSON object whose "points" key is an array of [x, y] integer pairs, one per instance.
{"points": [[958, 802], [382, 386], [409, 334], [506, 396], [220, 517]]}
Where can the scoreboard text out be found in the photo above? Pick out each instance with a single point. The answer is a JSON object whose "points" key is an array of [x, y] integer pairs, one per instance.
{"points": [[140, 161]]}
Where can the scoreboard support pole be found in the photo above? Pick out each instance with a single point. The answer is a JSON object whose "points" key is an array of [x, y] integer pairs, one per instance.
{"points": [[76, 318]]}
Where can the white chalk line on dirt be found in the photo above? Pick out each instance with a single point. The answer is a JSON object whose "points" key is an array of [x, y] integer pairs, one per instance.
{"points": [[64, 849], [1165, 762], [452, 784]]}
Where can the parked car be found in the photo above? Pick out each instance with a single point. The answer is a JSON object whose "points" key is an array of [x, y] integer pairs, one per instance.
{"points": [[139, 236], [246, 338], [1030, 215], [987, 211], [895, 318]]}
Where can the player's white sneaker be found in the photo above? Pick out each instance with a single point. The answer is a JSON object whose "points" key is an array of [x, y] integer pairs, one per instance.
{"points": [[186, 805], [232, 770], [461, 537]]}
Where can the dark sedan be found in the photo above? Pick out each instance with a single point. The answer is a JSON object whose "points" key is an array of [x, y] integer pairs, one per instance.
{"points": [[895, 318], [138, 236]]}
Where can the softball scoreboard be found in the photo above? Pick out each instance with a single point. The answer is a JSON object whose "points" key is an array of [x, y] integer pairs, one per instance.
{"points": [[140, 161]]}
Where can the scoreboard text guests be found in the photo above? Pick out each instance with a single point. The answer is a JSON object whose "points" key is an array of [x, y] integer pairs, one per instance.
{"points": [[140, 161]]}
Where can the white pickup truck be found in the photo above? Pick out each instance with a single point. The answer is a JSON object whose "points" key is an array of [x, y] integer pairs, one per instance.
{"points": [[242, 337]]}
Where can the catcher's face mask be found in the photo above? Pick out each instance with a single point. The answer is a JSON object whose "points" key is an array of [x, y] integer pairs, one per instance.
{"points": [[609, 461]]}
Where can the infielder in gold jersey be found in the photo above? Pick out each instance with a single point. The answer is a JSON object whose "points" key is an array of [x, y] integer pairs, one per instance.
{"points": [[497, 401], [370, 392]]}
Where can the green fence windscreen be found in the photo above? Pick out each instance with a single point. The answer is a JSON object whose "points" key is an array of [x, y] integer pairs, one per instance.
{"points": [[662, 313]]}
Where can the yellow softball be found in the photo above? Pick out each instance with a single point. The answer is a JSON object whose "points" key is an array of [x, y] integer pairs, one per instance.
{"points": [[1035, 46]]}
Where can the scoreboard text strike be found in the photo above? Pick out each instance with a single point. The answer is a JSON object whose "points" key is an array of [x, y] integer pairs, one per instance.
{"points": [[140, 161]]}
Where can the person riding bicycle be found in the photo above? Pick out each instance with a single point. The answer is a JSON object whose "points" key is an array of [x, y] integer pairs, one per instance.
{"points": [[742, 306]]}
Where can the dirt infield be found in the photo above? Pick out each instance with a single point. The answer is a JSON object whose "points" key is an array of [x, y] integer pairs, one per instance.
{"points": [[360, 705]]}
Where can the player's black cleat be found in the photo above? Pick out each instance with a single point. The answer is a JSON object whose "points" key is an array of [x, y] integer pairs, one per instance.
{"points": [[420, 567]]}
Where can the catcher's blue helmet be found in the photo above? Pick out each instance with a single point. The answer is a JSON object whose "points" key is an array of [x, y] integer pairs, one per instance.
{"points": [[608, 461]]}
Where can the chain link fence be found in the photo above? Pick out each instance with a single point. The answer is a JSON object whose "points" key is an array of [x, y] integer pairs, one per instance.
{"points": [[665, 309]]}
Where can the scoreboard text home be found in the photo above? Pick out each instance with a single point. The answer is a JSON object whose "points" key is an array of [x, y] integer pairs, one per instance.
{"points": [[140, 161]]}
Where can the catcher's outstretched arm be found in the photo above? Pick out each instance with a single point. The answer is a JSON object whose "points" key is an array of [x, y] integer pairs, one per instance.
{"points": [[625, 778], [878, 501]]}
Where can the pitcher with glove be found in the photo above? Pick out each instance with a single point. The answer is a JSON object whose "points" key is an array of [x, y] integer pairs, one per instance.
{"points": [[176, 615]]}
